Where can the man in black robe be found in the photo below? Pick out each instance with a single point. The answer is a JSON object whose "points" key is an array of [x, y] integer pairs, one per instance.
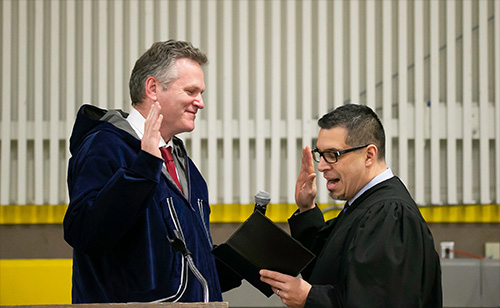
{"points": [[379, 251]]}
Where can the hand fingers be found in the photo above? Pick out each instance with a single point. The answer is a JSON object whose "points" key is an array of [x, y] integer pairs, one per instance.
{"points": [[306, 153], [275, 285], [151, 137], [276, 277], [305, 187], [311, 177], [308, 183], [307, 165], [153, 120], [153, 112], [157, 123], [278, 292], [150, 118], [292, 291]]}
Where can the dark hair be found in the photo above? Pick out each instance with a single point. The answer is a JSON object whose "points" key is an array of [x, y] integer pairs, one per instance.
{"points": [[362, 124], [159, 62]]}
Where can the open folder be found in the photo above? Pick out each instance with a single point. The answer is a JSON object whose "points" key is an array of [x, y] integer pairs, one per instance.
{"points": [[259, 244]]}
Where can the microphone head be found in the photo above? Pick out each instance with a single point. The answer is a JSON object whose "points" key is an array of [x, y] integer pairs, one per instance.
{"points": [[262, 198]]}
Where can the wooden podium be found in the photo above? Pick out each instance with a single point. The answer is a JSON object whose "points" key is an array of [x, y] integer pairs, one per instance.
{"points": [[132, 305]]}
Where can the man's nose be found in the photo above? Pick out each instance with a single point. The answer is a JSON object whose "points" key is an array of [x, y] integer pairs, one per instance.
{"points": [[199, 103], [323, 165]]}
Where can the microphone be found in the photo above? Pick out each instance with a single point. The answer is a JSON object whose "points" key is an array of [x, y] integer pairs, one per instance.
{"points": [[262, 199]]}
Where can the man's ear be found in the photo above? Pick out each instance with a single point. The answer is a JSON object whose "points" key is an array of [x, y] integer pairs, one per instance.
{"points": [[152, 85], [371, 154]]}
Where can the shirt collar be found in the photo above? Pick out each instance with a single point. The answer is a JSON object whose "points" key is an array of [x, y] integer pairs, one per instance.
{"points": [[136, 120], [387, 174]]}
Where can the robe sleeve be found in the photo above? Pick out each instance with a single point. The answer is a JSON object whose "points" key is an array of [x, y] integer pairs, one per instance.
{"points": [[305, 227], [228, 279], [108, 191]]}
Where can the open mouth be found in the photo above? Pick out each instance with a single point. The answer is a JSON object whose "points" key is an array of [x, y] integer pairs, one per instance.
{"points": [[332, 184]]}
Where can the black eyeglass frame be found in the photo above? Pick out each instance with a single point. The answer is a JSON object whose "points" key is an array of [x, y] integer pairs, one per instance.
{"points": [[336, 153]]}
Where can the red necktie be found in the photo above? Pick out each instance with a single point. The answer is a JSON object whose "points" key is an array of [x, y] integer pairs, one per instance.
{"points": [[166, 153]]}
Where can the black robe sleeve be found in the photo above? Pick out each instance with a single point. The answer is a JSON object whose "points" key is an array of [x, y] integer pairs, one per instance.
{"points": [[228, 279], [306, 228]]}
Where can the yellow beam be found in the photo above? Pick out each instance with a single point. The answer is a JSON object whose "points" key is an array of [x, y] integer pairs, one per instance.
{"points": [[32, 214], [54, 214]]}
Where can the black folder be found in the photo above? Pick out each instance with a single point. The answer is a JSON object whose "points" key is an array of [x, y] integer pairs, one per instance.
{"points": [[258, 244]]}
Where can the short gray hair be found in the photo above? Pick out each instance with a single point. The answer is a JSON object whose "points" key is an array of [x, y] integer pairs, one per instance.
{"points": [[159, 62]]}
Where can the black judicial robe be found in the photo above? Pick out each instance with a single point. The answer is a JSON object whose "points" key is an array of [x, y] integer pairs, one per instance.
{"points": [[378, 253]]}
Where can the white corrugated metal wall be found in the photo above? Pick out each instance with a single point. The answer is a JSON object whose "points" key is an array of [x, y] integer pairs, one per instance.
{"points": [[431, 69]]}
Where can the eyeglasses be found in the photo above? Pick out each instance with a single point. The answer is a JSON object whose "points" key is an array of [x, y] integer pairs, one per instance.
{"points": [[331, 156]]}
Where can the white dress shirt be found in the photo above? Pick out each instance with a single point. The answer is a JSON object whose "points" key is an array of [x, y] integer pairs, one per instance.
{"points": [[387, 174]]}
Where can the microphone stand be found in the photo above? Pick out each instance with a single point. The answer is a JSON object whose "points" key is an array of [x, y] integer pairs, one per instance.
{"points": [[198, 276], [179, 246]]}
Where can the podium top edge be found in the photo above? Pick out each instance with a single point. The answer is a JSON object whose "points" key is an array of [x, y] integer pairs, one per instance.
{"points": [[129, 305]]}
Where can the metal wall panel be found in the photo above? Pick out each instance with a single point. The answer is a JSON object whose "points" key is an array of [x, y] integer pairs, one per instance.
{"points": [[429, 69]]}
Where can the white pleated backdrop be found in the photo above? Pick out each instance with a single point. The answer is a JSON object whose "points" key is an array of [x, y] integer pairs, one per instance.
{"points": [[431, 70]]}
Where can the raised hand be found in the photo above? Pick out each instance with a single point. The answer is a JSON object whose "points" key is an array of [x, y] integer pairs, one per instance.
{"points": [[151, 139], [305, 188]]}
